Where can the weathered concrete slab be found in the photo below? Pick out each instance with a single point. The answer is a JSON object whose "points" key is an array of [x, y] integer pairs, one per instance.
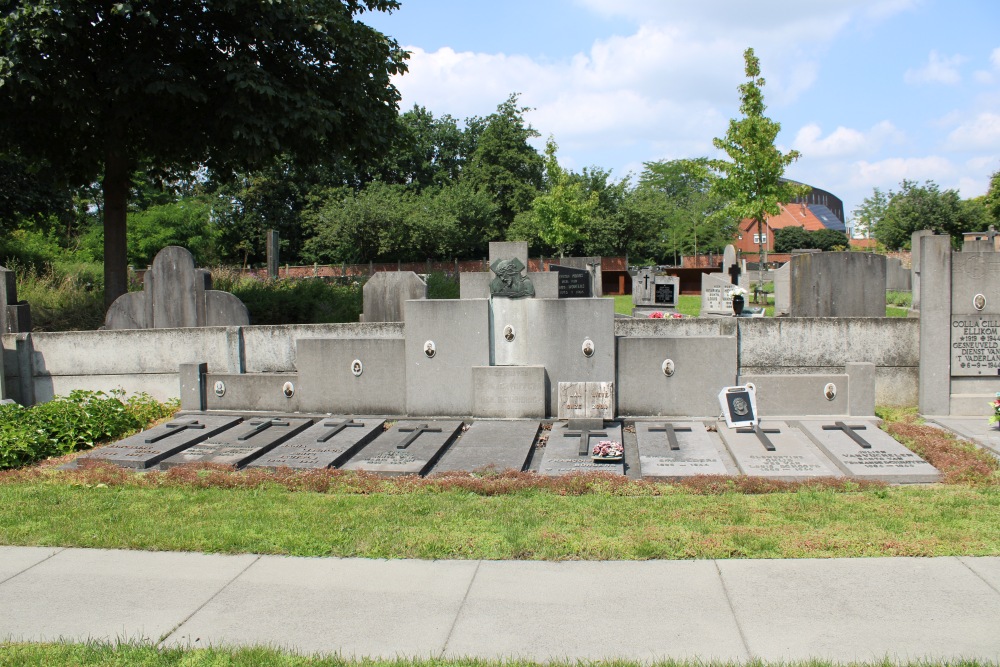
{"points": [[883, 459], [976, 429], [328, 443], [562, 451], [359, 376], [508, 392], [499, 445], [673, 450], [794, 458], [145, 450], [240, 445], [408, 448], [385, 293]]}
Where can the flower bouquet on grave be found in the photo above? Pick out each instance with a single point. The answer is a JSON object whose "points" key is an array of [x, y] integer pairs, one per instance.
{"points": [[656, 315], [995, 418], [608, 450]]}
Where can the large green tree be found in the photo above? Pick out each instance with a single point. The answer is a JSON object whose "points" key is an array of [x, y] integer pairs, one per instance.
{"points": [[96, 87], [751, 179], [915, 207]]}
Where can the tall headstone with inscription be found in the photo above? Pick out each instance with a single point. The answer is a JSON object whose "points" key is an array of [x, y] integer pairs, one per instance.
{"points": [[654, 293]]}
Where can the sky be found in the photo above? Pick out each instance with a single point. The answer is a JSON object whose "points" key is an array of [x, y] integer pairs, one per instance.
{"points": [[870, 92]]}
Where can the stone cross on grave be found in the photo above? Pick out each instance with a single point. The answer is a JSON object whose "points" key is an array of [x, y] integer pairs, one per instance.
{"points": [[417, 431], [671, 432], [734, 273], [584, 434], [259, 426], [764, 440], [850, 432], [175, 428], [337, 427]]}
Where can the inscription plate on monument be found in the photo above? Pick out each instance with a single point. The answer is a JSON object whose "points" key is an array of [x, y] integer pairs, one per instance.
{"points": [[573, 283], [666, 294], [672, 450], [794, 457], [975, 344], [589, 400], [409, 448], [241, 444], [883, 459], [326, 444], [562, 456], [146, 449]]}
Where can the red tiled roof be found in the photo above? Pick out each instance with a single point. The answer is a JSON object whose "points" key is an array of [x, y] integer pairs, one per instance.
{"points": [[797, 215], [863, 243]]}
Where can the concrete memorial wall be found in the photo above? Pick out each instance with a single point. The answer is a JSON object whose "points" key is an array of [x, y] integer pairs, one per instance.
{"points": [[837, 284]]}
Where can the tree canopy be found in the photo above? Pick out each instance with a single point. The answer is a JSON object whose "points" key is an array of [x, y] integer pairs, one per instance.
{"points": [[95, 88]]}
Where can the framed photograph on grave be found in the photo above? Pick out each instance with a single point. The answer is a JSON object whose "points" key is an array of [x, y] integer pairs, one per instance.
{"points": [[739, 406]]}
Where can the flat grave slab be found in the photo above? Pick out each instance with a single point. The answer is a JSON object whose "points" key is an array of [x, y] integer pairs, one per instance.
{"points": [[883, 459], [328, 443], [408, 448], [562, 456], [672, 450], [976, 429], [501, 445], [794, 459], [241, 444], [145, 450]]}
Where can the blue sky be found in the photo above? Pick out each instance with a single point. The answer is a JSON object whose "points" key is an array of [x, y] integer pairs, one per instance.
{"points": [[869, 91]]}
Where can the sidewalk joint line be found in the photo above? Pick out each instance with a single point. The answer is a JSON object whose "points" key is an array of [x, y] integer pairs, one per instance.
{"points": [[214, 595], [34, 565], [961, 560], [461, 606], [732, 610]]}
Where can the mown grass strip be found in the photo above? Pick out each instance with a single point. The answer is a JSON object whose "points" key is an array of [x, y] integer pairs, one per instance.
{"points": [[431, 523]]}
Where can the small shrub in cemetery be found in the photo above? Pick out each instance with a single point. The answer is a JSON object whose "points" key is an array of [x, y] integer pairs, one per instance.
{"points": [[68, 424], [442, 286], [292, 300]]}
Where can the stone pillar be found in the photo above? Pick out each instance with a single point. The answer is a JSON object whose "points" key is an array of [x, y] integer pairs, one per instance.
{"points": [[861, 389], [25, 370], [915, 239], [935, 325], [272, 253], [192, 378]]}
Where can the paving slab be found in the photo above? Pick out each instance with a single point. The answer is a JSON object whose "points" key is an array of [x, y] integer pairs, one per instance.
{"points": [[15, 560], [561, 455], [863, 609], [678, 449], [860, 449], [986, 568], [241, 444], [109, 595], [794, 458], [148, 448], [977, 429], [352, 607], [499, 445], [408, 448], [597, 610], [328, 443]]}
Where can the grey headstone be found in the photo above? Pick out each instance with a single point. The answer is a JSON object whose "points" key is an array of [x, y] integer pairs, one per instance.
{"points": [[497, 445], [386, 292], [146, 449], [127, 312], [715, 299], [701, 366], [241, 444], [328, 443], [561, 453], [508, 392], [573, 283], [698, 453], [174, 292], [884, 459], [591, 265], [783, 290], [330, 381], [794, 458], [897, 277], [728, 259], [509, 250], [837, 284], [572, 400], [644, 287], [936, 323], [223, 309], [597, 402], [385, 457], [916, 238]]}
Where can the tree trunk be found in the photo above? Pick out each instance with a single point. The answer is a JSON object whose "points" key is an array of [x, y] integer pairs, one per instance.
{"points": [[116, 186]]}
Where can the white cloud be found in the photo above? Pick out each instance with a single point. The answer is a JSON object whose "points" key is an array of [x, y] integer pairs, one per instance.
{"points": [[843, 142], [939, 69], [982, 132], [995, 58], [888, 173]]}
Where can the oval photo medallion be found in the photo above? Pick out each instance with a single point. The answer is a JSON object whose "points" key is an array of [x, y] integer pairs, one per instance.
{"points": [[356, 368], [430, 349], [668, 367], [288, 389], [830, 391], [979, 302], [508, 333], [588, 348], [220, 388]]}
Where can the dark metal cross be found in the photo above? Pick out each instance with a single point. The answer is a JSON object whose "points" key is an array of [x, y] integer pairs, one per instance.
{"points": [[584, 434], [337, 427], [671, 432], [764, 440], [850, 432], [417, 432], [259, 427], [174, 428], [734, 273]]}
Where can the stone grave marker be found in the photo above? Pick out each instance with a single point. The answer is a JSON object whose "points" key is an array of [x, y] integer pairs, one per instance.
{"points": [[673, 450], [561, 454], [715, 299], [573, 283], [586, 400], [652, 293], [864, 451], [146, 449], [326, 444], [776, 450], [499, 445], [409, 448], [837, 284], [386, 292], [240, 445]]}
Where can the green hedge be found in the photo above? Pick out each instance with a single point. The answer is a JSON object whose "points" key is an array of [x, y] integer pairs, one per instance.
{"points": [[68, 424]]}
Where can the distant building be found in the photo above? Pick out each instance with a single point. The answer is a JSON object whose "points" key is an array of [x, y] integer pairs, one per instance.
{"points": [[817, 210]]}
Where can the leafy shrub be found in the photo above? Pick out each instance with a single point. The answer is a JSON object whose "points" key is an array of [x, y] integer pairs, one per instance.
{"points": [[899, 299], [63, 300], [69, 424], [292, 300], [442, 286]]}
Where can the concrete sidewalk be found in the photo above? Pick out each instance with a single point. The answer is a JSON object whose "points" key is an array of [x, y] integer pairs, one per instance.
{"points": [[842, 609]]}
